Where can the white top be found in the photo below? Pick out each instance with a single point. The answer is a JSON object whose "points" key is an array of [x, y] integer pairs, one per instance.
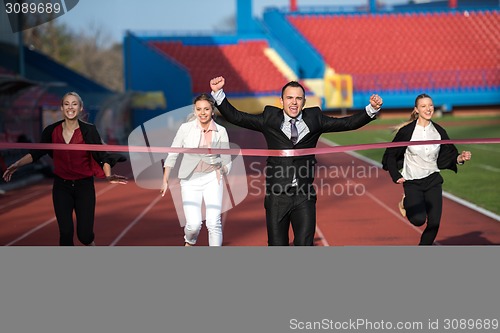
{"points": [[188, 136], [302, 128], [421, 161]]}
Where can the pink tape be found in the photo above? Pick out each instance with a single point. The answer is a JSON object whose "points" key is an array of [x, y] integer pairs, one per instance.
{"points": [[244, 152]]}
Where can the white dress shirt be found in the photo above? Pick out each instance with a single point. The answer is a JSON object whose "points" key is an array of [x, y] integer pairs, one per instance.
{"points": [[421, 161], [302, 128]]}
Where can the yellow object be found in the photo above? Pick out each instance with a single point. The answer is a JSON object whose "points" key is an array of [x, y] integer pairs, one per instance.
{"points": [[338, 91], [149, 100]]}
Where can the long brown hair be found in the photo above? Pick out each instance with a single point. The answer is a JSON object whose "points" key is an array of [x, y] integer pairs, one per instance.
{"points": [[413, 114]]}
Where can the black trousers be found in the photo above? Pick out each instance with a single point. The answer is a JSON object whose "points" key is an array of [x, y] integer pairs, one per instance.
{"points": [[77, 196], [295, 207], [424, 202]]}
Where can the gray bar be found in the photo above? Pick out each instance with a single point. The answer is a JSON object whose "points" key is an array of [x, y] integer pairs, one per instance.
{"points": [[247, 289]]}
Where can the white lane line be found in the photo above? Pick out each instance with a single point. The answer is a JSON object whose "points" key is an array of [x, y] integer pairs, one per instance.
{"points": [[135, 221], [323, 240], [486, 148], [26, 234], [44, 224], [450, 196], [472, 206], [106, 189], [489, 168], [397, 214], [374, 198], [26, 197]]}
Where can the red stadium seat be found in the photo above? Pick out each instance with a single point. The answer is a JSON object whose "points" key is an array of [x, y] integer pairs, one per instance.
{"points": [[433, 44], [243, 64]]}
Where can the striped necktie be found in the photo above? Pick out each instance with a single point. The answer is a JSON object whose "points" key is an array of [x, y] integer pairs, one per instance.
{"points": [[293, 129]]}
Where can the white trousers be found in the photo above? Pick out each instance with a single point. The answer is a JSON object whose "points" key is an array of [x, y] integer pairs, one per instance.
{"points": [[202, 187]]}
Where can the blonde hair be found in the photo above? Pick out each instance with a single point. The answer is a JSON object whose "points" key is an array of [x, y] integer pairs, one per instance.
{"points": [[72, 93]]}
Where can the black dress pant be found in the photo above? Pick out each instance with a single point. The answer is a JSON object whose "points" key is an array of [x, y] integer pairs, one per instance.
{"points": [[295, 207], [77, 196], [424, 202]]}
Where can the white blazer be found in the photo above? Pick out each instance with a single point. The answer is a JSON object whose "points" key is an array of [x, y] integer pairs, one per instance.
{"points": [[188, 136]]}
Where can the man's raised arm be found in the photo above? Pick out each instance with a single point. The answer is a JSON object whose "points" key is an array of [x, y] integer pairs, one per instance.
{"points": [[229, 112]]}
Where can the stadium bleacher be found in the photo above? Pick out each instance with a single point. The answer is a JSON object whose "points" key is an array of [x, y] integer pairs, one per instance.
{"points": [[244, 64], [398, 51], [408, 51]]}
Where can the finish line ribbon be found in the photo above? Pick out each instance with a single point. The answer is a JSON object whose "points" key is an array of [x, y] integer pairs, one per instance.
{"points": [[243, 152]]}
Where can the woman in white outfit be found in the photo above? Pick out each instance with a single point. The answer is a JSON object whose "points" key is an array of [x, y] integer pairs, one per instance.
{"points": [[201, 174]]}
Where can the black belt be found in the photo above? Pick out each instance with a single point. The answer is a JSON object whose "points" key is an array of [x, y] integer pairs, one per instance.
{"points": [[74, 181]]}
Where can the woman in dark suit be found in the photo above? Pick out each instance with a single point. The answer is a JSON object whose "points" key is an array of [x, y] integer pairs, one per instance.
{"points": [[74, 171], [417, 167]]}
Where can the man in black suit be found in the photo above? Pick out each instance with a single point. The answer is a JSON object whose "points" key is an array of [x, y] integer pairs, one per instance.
{"points": [[290, 195]]}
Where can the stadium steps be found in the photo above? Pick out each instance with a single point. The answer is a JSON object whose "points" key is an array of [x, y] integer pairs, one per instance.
{"points": [[280, 64]]}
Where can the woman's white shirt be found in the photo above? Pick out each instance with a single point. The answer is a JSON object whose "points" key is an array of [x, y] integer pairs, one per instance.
{"points": [[420, 161]]}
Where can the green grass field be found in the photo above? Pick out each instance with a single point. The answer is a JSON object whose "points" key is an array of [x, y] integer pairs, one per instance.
{"points": [[477, 181]]}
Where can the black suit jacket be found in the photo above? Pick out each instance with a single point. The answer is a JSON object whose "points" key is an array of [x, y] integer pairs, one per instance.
{"points": [[393, 158], [281, 170]]}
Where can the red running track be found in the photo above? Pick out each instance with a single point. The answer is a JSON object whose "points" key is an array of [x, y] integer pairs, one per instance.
{"points": [[357, 206]]}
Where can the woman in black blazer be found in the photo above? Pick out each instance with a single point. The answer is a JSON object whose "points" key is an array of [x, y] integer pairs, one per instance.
{"points": [[74, 171], [417, 167]]}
